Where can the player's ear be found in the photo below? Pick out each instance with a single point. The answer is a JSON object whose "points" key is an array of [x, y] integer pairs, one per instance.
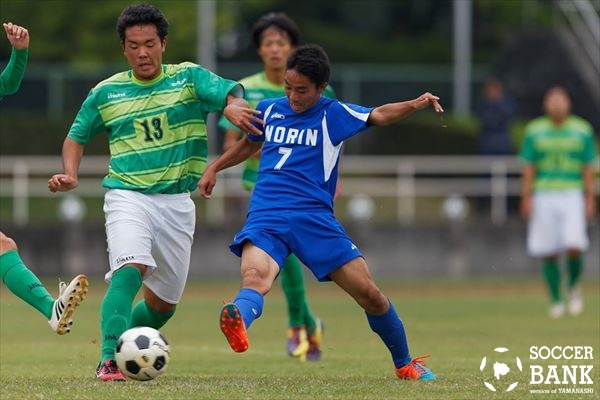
{"points": [[322, 87], [164, 44]]}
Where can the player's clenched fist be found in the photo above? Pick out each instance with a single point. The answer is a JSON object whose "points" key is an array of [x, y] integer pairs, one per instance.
{"points": [[62, 183], [207, 183], [17, 35]]}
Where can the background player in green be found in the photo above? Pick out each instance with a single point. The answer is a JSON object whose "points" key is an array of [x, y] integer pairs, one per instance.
{"points": [[155, 118], [275, 36], [558, 194], [14, 273]]}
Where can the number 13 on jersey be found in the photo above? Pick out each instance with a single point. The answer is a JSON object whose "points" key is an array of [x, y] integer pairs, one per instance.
{"points": [[152, 128]]}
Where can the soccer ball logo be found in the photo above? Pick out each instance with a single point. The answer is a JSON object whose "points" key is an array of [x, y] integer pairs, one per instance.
{"points": [[501, 368], [142, 353]]}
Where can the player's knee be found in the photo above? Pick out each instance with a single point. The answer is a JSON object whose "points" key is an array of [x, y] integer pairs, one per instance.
{"points": [[256, 279], [373, 300], [573, 253], [7, 244], [157, 304]]}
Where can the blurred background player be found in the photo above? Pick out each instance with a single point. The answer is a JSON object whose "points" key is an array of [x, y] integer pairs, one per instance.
{"points": [[155, 119], [15, 274], [558, 194], [275, 36], [495, 112], [291, 209]]}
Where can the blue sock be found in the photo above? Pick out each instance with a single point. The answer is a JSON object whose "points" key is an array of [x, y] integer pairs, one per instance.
{"points": [[390, 329], [250, 303]]}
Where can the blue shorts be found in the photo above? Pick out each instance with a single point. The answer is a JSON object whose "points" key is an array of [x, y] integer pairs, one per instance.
{"points": [[317, 238]]}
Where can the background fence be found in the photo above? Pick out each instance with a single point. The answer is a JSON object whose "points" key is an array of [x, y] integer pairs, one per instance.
{"points": [[411, 216]]}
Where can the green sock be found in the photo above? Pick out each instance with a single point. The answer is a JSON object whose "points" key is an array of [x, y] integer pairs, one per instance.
{"points": [[552, 275], [575, 267], [116, 308], [143, 315], [24, 284], [292, 282]]}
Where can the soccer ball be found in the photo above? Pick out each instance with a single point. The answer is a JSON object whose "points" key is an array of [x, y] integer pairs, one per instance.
{"points": [[142, 353]]}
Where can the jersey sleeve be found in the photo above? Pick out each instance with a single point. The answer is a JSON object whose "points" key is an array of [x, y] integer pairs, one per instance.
{"points": [[211, 88], [12, 75], [590, 152], [88, 122], [346, 120], [527, 153]]}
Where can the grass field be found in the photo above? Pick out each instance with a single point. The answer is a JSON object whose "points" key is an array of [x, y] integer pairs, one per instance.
{"points": [[457, 322]]}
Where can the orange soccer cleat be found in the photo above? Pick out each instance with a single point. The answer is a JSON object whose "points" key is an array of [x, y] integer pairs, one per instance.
{"points": [[416, 370], [232, 326]]}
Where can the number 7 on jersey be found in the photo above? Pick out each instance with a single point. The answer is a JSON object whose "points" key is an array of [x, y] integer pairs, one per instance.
{"points": [[285, 152]]}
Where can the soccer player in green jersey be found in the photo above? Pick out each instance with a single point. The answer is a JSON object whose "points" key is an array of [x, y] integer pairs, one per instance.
{"points": [[275, 36], [14, 273], [155, 118], [558, 194]]}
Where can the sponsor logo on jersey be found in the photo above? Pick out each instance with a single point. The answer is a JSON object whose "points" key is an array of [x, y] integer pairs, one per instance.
{"points": [[278, 116], [121, 260], [254, 96], [114, 95], [179, 82]]}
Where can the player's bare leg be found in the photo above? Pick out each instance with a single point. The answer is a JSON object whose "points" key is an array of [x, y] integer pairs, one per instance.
{"points": [[258, 271], [355, 278]]}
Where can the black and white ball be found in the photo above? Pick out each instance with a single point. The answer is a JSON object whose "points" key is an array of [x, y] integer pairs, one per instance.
{"points": [[142, 353]]}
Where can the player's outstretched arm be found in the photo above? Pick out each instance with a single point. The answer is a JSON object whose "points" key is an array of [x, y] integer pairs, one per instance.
{"points": [[72, 154], [393, 112], [237, 153]]}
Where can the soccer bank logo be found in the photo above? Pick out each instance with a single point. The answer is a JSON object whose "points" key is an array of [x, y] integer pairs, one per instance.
{"points": [[552, 370], [502, 366]]}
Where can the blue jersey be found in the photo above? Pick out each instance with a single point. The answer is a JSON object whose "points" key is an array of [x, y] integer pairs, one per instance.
{"points": [[299, 160]]}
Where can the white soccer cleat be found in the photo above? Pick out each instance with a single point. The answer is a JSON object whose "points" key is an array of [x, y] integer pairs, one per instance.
{"points": [[69, 297], [575, 302], [557, 310]]}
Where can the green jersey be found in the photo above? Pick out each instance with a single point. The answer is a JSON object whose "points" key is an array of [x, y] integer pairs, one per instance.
{"points": [[156, 129], [558, 153], [257, 88], [12, 75]]}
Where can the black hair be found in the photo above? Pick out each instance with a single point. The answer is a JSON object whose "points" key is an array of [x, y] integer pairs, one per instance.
{"points": [[279, 21], [557, 88], [142, 14], [311, 60]]}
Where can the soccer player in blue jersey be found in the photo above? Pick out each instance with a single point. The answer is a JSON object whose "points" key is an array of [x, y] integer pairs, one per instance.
{"points": [[291, 209], [275, 36]]}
